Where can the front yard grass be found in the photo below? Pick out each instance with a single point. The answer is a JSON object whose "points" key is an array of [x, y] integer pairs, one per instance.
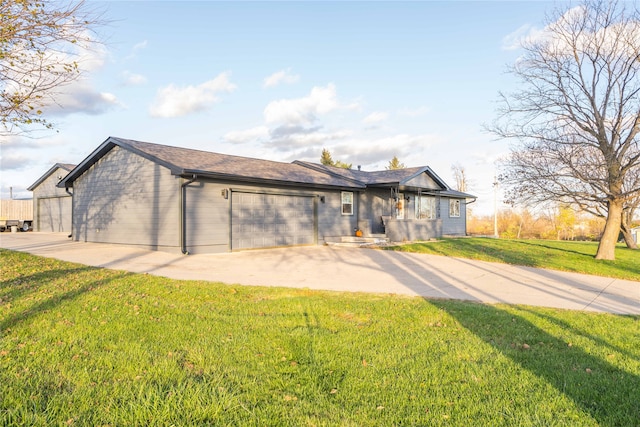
{"points": [[577, 257], [84, 346]]}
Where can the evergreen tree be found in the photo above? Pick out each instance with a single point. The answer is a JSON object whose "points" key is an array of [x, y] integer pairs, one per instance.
{"points": [[395, 164], [326, 158]]}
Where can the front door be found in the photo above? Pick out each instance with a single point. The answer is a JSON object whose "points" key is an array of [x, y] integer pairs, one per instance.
{"points": [[400, 206]]}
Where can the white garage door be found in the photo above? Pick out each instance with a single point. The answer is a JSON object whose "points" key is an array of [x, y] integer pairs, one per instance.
{"points": [[269, 220], [54, 214]]}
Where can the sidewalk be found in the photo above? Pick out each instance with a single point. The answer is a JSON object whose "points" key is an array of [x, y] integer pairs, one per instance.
{"points": [[353, 270]]}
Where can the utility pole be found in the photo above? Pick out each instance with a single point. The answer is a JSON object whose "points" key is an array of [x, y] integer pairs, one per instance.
{"points": [[495, 208]]}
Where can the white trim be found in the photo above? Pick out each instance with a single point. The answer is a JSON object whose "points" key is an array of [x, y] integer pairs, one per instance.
{"points": [[343, 203]]}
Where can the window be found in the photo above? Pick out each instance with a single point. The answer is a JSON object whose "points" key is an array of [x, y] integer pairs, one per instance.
{"points": [[454, 208], [425, 207], [347, 203]]}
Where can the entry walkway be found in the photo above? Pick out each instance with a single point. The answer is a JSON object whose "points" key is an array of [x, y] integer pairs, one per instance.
{"points": [[353, 270]]}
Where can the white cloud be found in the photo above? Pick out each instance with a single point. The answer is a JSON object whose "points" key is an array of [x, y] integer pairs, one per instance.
{"points": [[139, 46], [376, 153], [608, 37], [136, 48], [320, 101], [311, 138], [15, 161], [248, 135], [282, 76], [515, 39], [132, 79], [173, 101], [81, 97], [415, 112], [375, 117]]}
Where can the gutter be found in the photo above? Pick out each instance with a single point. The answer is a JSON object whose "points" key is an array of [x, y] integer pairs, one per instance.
{"points": [[183, 216], [66, 189]]}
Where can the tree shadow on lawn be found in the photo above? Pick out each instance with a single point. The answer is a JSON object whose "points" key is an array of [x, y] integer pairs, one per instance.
{"points": [[522, 257], [55, 300], [583, 332], [481, 251], [605, 392], [21, 286]]}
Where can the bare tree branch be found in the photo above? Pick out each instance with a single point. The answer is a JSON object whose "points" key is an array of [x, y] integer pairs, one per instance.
{"points": [[576, 120], [40, 47]]}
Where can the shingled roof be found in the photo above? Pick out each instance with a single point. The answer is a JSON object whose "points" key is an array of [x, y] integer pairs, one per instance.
{"points": [[188, 162], [393, 176]]}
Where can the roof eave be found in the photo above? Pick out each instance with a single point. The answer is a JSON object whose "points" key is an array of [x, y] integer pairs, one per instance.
{"points": [[188, 173]]}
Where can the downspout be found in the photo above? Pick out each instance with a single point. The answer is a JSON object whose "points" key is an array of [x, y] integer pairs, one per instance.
{"points": [[66, 189], [183, 216], [466, 217]]}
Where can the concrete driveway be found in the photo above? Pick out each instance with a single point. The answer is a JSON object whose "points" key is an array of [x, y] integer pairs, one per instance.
{"points": [[353, 270]]}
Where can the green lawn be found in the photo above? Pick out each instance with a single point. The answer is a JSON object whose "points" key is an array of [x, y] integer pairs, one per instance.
{"points": [[85, 346], [556, 255]]}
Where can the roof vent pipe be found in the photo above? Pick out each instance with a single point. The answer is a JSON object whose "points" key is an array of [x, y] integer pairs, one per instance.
{"points": [[359, 166]]}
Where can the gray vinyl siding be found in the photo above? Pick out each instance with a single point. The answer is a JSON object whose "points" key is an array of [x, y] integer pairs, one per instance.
{"points": [[374, 204], [125, 198], [331, 222], [52, 205], [413, 229], [453, 226], [206, 218]]}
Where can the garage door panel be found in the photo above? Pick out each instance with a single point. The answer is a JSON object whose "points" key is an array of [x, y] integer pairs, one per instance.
{"points": [[54, 214], [267, 220]]}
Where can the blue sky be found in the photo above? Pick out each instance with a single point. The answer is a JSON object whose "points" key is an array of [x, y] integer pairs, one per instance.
{"points": [[282, 80]]}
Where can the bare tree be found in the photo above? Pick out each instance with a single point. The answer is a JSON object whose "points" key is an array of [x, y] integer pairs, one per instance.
{"points": [[40, 43], [462, 181], [630, 208], [575, 122]]}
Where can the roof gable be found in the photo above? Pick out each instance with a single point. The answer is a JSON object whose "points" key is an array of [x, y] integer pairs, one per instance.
{"points": [[419, 177], [65, 167]]}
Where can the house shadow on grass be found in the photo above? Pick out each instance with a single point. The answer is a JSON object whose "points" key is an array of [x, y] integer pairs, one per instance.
{"points": [[605, 392]]}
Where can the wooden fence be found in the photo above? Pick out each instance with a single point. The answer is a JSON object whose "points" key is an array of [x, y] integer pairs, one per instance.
{"points": [[16, 209]]}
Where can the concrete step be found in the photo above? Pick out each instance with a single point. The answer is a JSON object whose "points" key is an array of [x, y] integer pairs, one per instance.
{"points": [[378, 239]]}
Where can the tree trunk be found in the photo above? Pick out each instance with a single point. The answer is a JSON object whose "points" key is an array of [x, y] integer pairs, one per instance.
{"points": [[626, 231], [607, 246]]}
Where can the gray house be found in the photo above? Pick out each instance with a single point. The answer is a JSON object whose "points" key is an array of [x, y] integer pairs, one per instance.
{"points": [[51, 204], [171, 198]]}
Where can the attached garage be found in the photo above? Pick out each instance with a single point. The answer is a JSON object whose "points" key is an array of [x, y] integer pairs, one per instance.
{"points": [[261, 220], [172, 198], [52, 209]]}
